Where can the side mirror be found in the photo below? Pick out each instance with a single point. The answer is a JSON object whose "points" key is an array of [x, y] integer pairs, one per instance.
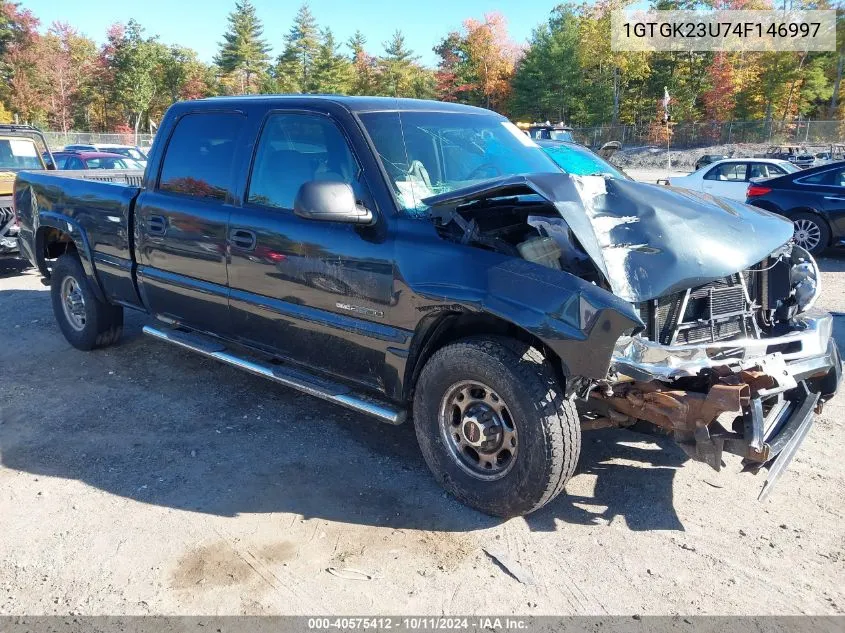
{"points": [[330, 202]]}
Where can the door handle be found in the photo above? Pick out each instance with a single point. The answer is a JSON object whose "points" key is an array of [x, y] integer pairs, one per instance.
{"points": [[156, 225], [242, 239]]}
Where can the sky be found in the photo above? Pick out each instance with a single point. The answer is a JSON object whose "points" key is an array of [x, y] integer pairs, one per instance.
{"points": [[199, 24]]}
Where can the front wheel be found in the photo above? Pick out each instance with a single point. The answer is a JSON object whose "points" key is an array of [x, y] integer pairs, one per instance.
{"points": [[494, 426], [85, 321], [811, 232]]}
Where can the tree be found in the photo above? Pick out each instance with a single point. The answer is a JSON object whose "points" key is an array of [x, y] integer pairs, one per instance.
{"points": [[332, 71], [397, 67], [243, 51], [452, 78], [67, 59], [22, 86], [135, 61], [364, 69], [295, 67], [491, 57], [547, 80], [182, 76]]}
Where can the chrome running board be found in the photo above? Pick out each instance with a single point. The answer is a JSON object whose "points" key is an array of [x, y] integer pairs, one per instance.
{"points": [[289, 377]]}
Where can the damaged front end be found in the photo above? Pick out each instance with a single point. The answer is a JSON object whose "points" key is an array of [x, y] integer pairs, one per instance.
{"points": [[730, 357], [739, 366]]}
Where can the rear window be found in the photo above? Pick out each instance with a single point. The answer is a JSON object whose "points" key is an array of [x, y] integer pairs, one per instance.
{"points": [[19, 153], [106, 163], [198, 159], [832, 178]]}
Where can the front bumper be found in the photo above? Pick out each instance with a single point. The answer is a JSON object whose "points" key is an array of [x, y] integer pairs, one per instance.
{"points": [[772, 387], [641, 359]]}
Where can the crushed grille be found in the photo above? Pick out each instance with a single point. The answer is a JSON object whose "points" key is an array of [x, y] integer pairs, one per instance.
{"points": [[715, 311]]}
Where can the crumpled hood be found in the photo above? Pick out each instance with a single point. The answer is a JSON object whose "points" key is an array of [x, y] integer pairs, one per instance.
{"points": [[647, 240]]}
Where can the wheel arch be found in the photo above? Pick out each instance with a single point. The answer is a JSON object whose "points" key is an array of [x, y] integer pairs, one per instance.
{"points": [[60, 236], [447, 326], [791, 213]]}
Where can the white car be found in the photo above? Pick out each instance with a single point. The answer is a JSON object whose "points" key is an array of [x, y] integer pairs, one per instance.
{"points": [[730, 177]]}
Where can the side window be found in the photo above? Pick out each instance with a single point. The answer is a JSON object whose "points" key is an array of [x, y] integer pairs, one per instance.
{"points": [[74, 163], [763, 170], [198, 158], [294, 149], [831, 178], [60, 161], [823, 178], [729, 171]]}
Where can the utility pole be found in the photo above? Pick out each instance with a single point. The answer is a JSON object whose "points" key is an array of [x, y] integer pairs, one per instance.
{"points": [[666, 118]]}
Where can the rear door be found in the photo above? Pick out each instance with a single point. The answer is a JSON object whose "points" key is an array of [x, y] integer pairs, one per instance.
{"points": [[728, 180], [181, 222], [830, 187]]}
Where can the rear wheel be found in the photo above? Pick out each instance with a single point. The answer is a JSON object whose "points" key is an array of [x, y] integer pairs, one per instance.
{"points": [[85, 321], [811, 232], [494, 426]]}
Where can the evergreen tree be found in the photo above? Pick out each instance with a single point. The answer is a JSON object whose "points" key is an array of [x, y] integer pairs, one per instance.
{"points": [[363, 66], [332, 71], [397, 67], [243, 51], [296, 64]]}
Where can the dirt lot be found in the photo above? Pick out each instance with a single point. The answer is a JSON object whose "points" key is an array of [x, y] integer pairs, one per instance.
{"points": [[143, 479]]}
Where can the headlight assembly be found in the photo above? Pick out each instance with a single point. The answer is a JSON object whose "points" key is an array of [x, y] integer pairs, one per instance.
{"points": [[805, 278]]}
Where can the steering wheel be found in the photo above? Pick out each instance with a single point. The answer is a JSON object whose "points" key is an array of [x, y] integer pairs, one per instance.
{"points": [[472, 175]]}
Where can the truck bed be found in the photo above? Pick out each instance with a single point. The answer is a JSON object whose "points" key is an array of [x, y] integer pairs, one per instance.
{"points": [[93, 207], [118, 176]]}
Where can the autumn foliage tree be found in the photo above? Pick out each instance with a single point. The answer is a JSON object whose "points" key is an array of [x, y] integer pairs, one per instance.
{"points": [[477, 63], [56, 76]]}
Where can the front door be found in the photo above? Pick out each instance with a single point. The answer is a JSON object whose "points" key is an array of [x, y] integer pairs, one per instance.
{"points": [[316, 293], [181, 223]]}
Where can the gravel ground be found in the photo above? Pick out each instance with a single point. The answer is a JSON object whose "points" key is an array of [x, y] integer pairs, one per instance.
{"points": [[143, 479]]}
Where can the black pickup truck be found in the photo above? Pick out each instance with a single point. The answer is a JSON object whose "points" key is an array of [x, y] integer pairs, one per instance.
{"points": [[418, 259]]}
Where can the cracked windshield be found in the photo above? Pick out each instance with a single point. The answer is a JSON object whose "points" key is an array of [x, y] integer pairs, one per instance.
{"points": [[429, 153]]}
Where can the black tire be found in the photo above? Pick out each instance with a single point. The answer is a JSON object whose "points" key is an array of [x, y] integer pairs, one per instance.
{"points": [[103, 322], [815, 227], [549, 431]]}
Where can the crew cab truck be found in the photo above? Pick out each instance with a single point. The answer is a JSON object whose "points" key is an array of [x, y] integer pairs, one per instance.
{"points": [[424, 260]]}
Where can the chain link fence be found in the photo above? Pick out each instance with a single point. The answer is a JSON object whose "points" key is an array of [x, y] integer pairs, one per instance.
{"points": [[684, 135], [692, 135], [58, 140]]}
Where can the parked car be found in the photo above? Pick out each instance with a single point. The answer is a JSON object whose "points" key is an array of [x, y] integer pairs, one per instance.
{"points": [[578, 160], [803, 160], [706, 159], [94, 160], [81, 147], [832, 155], [483, 289], [551, 132], [795, 154], [813, 199], [129, 151], [20, 148], [730, 177]]}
